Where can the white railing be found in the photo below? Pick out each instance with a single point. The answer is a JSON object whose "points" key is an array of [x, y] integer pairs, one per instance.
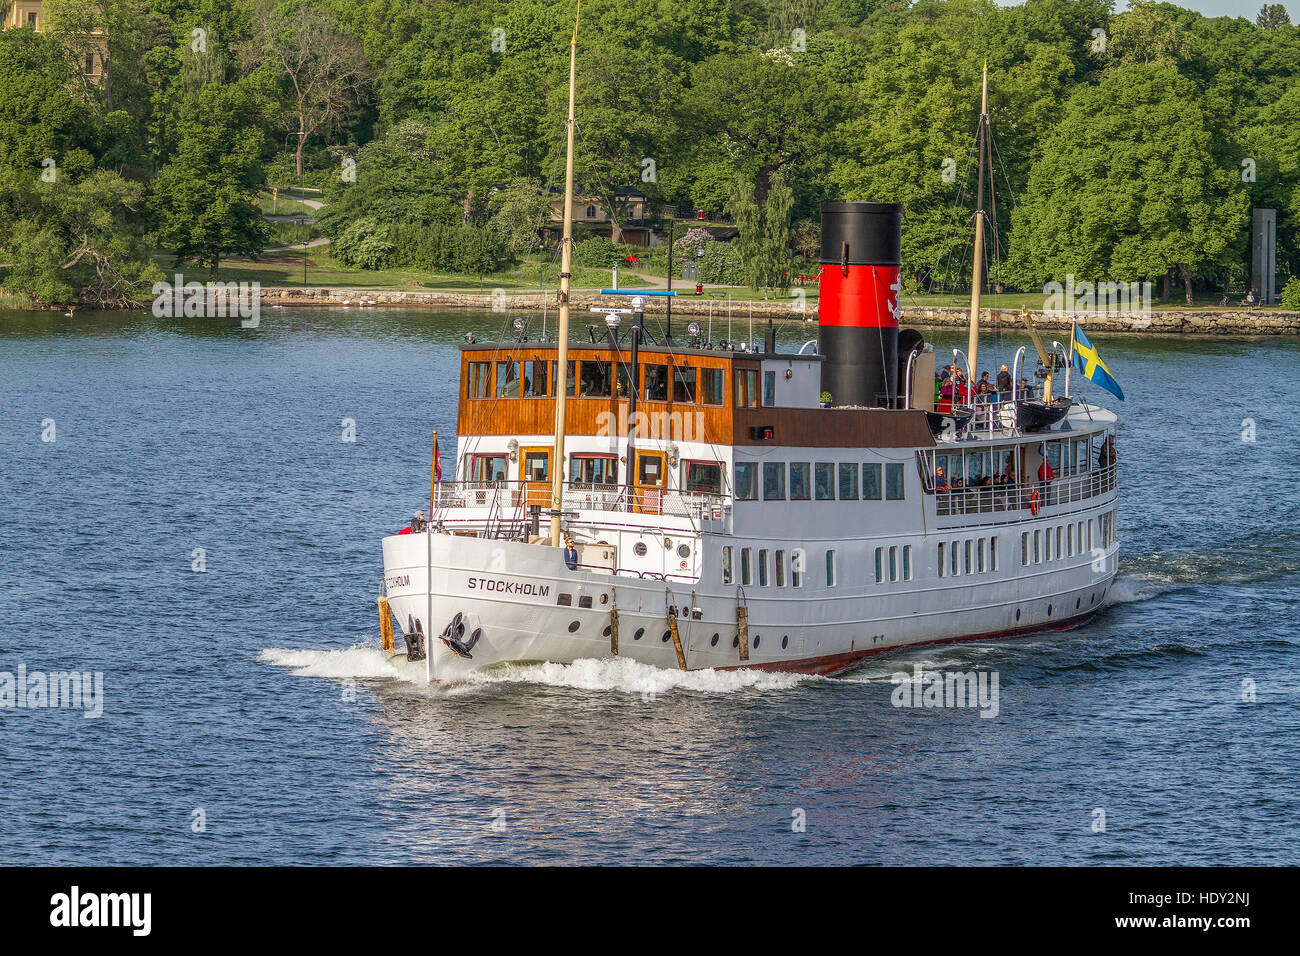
{"points": [[514, 500], [983, 499]]}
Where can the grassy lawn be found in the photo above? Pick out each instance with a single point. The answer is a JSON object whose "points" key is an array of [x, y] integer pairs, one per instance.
{"points": [[284, 206]]}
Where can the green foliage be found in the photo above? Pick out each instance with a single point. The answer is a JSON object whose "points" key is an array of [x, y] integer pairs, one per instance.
{"points": [[1290, 297], [436, 247]]}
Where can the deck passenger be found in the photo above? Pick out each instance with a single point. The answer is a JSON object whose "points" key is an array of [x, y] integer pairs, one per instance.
{"points": [[570, 555]]}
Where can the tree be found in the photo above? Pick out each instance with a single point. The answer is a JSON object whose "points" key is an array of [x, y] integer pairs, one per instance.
{"points": [[776, 233], [1128, 186], [520, 212], [1272, 16], [744, 211], [323, 70], [204, 197]]}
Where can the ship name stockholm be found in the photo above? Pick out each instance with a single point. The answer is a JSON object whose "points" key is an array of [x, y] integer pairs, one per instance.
{"points": [[504, 586]]}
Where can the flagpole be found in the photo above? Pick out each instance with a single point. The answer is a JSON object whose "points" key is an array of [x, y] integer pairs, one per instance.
{"points": [[1069, 362]]}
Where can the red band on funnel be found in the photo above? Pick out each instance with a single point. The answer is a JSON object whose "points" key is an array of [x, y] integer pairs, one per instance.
{"points": [[865, 298]]}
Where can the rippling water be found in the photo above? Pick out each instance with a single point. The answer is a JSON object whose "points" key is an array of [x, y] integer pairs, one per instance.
{"points": [[248, 703]]}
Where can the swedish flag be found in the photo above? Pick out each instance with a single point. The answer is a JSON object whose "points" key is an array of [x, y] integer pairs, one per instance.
{"points": [[1087, 361]]}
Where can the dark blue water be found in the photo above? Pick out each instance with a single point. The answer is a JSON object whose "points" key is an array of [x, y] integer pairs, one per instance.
{"points": [[176, 436]]}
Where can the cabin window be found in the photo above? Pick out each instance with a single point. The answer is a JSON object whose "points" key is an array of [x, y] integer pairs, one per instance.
{"points": [[1091, 544], [684, 381], [769, 388], [894, 481], [703, 477], [1082, 456], [593, 469], [825, 481], [830, 569], [1024, 549], [954, 558], [1054, 457], [880, 565], [1038, 545], [746, 387], [1047, 545], [1057, 552], [535, 379], [980, 556], [993, 554], [726, 566], [571, 377], [893, 563], [979, 465], [871, 481], [762, 567], [970, 565], [746, 473], [594, 382], [780, 568], [656, 383], [649, 470], [848, 481], [509, 384], [537, 466], [623, 380], [487, 468], [799, 481], [773, 481], [942, 569], [907, 562], [479, 380], [746, 566], [796, 567], [1007, 457], [712, 386]]}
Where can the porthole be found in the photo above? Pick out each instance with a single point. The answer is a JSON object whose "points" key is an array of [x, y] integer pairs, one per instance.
{"points": [[608, 630], [574, 626], [735, 641], [757, 638], [1092, 599], [604, 599], [667, 634], [684, 551], [1049, 610], [640, 632], [639, 549], [1077, 602], [1017, 614], [714, 641], [785, 641]]}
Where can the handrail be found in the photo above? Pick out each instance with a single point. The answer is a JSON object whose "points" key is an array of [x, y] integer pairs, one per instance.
{"points": [[580, 496], [987, 499]]}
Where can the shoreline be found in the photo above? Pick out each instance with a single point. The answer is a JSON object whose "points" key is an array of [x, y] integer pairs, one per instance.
{"points": [[1158, 322]]}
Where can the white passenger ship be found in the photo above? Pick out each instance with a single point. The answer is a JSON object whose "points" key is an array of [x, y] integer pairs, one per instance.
{"points": [[724, 517]]}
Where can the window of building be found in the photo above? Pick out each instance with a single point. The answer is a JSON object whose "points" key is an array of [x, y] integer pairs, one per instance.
{"points": [[656, 383], [830, 569], [746, 387], [762, 567], [712, 386], [769, 388], [703, 477], [779, 567], [848, 481], [726, 566], [871, 481], [90, 64], [746, 566], [825, 481], [746, 473], [593, 469], [591, 212], [799, 482], [773, 481], [684, 380], [894, 481], [479, 381]]}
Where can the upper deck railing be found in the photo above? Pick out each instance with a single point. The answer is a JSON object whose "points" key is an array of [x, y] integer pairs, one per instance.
{"points": [[985, 499], [514, 501]]}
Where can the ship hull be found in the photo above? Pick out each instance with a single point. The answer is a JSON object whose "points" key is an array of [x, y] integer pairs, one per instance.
{"points": [[531, 608]]}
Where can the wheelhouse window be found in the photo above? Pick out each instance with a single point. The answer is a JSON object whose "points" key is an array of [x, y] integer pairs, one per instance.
{"points": [[746, 387], [825, 481], [656, 383], [594, 380], [487, 468], [478, 383], [848, 481], [535, 379], [713, 386], [769, 388], [684, 381], [571, 377], [800, 485], [509, 383], [773, 481], [871, 481], [746, 473], [703, 477], [593, 469], [894, 481]]}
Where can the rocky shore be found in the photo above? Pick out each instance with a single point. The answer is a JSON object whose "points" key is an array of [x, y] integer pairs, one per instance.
{"points": [[1209, 322]]}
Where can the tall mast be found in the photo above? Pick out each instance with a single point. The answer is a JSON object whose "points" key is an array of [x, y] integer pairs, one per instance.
{"points": [[566, 263], [972, 350]]}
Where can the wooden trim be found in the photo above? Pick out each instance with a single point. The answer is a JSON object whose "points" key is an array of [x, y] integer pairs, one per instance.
{"points": [[834, 427]]}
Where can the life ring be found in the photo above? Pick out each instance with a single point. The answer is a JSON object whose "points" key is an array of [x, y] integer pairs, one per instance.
{"points": [[1033, 504]]}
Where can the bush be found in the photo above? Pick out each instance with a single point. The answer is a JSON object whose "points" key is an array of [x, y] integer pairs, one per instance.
{"points": [[1290, 297], [471, 250]]}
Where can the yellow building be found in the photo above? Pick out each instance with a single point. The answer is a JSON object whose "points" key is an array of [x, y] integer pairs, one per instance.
{"points": [[27, 13]]}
